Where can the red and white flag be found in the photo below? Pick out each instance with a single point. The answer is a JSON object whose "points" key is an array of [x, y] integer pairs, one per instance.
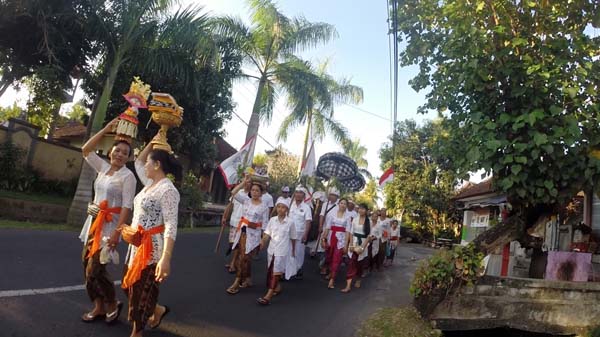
{"points": [[240, 160], [386, 177], [309, 164]]}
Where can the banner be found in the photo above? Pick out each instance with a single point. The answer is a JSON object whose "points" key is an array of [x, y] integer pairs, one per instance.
{"points": [[386, 177], [240, 160], [309, 164]]}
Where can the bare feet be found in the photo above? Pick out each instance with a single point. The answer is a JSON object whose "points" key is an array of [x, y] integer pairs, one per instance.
{"points": [[331, 284]]}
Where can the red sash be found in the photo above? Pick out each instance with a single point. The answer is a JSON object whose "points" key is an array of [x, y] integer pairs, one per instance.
{"points": [[334, 230], [244, 221], [105, 214], [142, 255], [394, 238]]}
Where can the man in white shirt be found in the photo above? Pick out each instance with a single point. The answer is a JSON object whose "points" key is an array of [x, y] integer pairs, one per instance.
{"points": [[351, 210], [233, 211], [301, 216], [281, 232], [328, 210], [385, 224], [268, 199]]}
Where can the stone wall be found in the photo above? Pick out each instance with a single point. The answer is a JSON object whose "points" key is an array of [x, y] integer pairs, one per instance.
{"points": [[554, 307], [53, 160], [24, 210]]}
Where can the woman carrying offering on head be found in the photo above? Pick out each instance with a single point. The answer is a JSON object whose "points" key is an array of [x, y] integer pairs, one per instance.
{"points": [[155, 226], [255, 215], [113, 200]]}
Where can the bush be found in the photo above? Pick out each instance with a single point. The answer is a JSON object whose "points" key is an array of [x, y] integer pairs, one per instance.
{"points": [[447, 268], [15, 176], [192, 197]]}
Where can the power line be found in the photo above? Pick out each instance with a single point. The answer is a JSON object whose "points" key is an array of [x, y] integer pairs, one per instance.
{"points": [[261, 137], [367, 112]]}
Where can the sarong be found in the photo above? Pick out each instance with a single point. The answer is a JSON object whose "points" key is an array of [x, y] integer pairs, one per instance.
{"points": [[98, 283], [143, 297]]}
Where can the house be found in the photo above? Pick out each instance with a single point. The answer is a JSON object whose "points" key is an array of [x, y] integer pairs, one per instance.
{"points": [[482, 207]]}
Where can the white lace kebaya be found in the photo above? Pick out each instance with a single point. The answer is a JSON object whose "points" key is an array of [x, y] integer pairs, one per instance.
{"points": [[117, 189], [153, 207]]}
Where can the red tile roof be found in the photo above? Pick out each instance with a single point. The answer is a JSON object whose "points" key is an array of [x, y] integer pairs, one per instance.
{"points": [[224, 149], [472, 190], [73, 129]]}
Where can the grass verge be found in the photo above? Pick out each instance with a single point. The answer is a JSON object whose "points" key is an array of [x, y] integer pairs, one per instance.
{"points": [[12, 224], [45, 198], [397, 322]]}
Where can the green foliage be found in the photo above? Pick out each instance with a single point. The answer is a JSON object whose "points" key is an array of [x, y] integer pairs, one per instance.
{"points": [[269, 46], [191, 195], [397, 322], [183, 57], [46, 88], [447, 268], [79, 113], [519, 82], [593, 332], [16, 176], [368, 195], [424, 177], [7, 113], [283, 170], [39, 34]]}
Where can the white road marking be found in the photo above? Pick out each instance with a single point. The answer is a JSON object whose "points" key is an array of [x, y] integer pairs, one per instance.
{"points": [[43, 291]]}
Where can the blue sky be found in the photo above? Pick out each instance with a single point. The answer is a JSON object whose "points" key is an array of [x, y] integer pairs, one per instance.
{"points": [[359, 53]]}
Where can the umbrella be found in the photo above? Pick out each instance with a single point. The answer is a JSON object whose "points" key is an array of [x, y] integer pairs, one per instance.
{"points": [[336, 165], [354, 183]]}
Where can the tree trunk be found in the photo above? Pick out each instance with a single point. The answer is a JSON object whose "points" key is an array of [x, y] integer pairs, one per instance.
{"points": [[306, 137], [100, 112], [3, 87], [83, 195], [254, 122]]}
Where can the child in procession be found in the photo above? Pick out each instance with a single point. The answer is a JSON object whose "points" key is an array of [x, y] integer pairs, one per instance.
{"points": [[394, 240], [281, 234]]}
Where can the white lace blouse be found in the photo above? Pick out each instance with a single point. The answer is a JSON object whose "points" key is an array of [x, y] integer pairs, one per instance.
{"points": [[118, 189], [359, 229], [153, 207], [344, 221], [253, 213]]}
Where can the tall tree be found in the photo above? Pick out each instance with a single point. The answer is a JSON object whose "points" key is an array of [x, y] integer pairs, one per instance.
{"points": [[368, 195], [313, 95], [355, 150], [267, 44], [38, 34], [176, 53], [519, 81], [424, 181]]}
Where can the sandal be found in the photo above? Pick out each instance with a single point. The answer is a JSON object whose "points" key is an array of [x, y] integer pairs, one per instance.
{"points": [[167, 310], [263, 301], [233, 290], [346, 290], [113, 316], [246, 285], [89, 318]]}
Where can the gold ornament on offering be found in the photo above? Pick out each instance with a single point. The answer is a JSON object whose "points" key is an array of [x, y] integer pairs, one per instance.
{"points": [[136, 97], [167, 114]]}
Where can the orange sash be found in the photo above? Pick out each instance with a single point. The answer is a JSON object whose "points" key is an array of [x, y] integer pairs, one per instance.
{"points": [[142, 256], [385, 234], [253, 225], [105, 214]]}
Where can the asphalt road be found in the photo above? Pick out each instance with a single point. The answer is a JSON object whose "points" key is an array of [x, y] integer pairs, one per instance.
{"points": [[195, 292]]}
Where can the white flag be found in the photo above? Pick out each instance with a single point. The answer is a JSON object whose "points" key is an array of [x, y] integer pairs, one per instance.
{"points": [[240, 160], [309, 164]]}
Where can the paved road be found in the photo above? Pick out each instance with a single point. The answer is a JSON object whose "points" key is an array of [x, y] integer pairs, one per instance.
{"points": [[195, 292]]}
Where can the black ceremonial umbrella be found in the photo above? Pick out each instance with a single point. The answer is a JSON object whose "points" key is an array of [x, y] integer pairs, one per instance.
{"points": [[336, 165], [354, 184]]}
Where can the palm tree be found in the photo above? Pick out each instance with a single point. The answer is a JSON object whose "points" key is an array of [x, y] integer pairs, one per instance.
{"points": [[355, 150], [313, 95], [141, 32], [266, 45]]}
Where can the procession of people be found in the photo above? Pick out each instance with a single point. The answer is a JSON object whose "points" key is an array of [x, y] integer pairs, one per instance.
{"points": [[349, 236]]}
